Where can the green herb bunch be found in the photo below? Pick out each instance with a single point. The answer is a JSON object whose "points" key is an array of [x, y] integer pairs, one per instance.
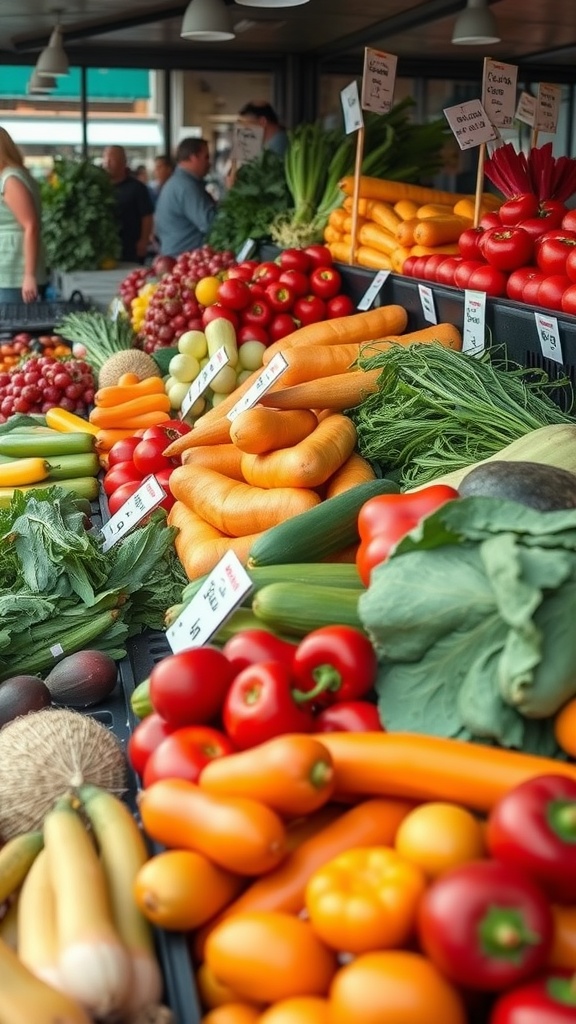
{"points": [[79, 217], [259, 194]]}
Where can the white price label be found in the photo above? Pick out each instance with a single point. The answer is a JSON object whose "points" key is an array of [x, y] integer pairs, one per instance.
{"points": [[499, 92], [143, 501], [372, 291], [526, 109], [547, 327], [427, 303], [56, 650], [246, 250], [548, 107], [350, 99], [267, 378], [378, 80], [247, 143], [204, 379], [474, 332], [470, 124], [220, 594]]}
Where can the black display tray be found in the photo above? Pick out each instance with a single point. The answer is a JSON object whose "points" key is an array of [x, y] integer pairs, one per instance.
{"points": [[35, 317]]}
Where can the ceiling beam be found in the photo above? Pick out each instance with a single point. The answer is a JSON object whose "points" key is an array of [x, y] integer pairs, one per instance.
{"points": [[105, 25]]}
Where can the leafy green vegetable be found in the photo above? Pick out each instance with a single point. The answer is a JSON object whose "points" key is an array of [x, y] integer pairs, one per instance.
{"points": [[472, 620], [79, 218], [247, 210]]}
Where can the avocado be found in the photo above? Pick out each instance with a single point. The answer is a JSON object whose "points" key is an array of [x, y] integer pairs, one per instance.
{"points": [[535, 484]]}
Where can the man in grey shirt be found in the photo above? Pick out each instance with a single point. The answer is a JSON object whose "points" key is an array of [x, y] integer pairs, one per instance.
{"points": [[185, 210]]}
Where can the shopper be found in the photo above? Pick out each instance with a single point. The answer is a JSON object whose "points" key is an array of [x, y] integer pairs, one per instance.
{"points": [[275, 138], [185, 210], [22, 268], [134, 206]]}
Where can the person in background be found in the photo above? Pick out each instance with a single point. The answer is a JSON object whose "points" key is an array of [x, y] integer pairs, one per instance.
{"points": [[133, 206], [185, 210], [275, 137], [163, 169], [22, 267], [141, 173]]}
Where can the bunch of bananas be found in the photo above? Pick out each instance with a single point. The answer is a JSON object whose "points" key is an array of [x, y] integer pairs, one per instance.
{"points": [[139, 305]]}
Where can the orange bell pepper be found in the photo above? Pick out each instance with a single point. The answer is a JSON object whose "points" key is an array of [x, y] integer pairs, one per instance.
{"points": [[365, 899]]}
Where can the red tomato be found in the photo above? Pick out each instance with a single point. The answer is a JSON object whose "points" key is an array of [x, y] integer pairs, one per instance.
{"points": [[310, 309], [446, 270], [260, 705], [266, 273], [170, 430], [249, 332], [432, 264], [490, 220], [118, 498], [408, 266], [325, 282], [469, 243], [569, 300], [148, 457], [121, 473], [518, 208], [122, 451], [334, 663], [339, 305], [530, 289], [549, 999], [349, 716], [234, 293], [418, 266], [251, 646], [320, 255], [552, 251], [147, 735], [506, 248], [281, 326], [551, 290], [549, 216], [570, 268], [488, 279], [463, 271], [569, 221], [189, 688], [517, 281], [280, 297], [295, 259], [240, 273], [218, 312], [163, 478], [184, 753], [257, 314], [296, 281]]}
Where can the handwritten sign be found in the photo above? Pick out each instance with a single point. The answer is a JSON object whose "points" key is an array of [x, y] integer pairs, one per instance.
{"points": [[219, 595], [245, 250], [427, 302], [470, 124], [203, 380], [266, 379], [526, 109], [547, 327], [547, 108], [474, 330], [499, 92], [247, 143], [378, 80], [132, 512], [373, 289], [350, 99]]}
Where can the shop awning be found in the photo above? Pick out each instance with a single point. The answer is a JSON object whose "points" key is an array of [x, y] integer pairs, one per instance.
{"points": [[60, 131], [127, 84]]}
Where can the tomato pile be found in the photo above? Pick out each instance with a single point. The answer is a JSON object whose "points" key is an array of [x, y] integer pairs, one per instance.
{"points": [[42, 381], [23, 343], [261, 686], [132, 459], [526, 251]]}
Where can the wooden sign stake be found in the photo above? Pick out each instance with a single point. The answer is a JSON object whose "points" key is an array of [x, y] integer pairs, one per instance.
{"points": [[356, 192]]}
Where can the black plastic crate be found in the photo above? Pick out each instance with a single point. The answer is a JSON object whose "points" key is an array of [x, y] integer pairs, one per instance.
{"points": [[37, 316]]}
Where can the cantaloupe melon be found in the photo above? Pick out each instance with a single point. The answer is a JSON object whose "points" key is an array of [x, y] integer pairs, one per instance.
{"points": [[130, 360]]}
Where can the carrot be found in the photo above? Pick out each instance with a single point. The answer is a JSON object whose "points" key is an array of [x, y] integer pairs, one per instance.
{"points": [[311, 364], [465, 207], [337, 218], [224, 458], [116, 415], [384, 215], [347, 225], [347, 330], [444, 334], [331, 234], [207, 430], [377, 238], [120, 393], [421, 767], [337, 392], [398, 257], [356, 470], [261, 429], [371, 823], [145, 419], [441, 230], [391, 191], [339, 250], [128, 378], [405, 231], [236, 508], [434, 210], [406, 209], [200, 546], [366, 256], [362, 206], [106, 438], [307, 464], [450, 249]]}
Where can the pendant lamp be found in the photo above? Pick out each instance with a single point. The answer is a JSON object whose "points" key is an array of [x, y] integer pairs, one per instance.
{"points": [[40, 83], [475, 25], [271, 3], [53, 60], [208, 21]]}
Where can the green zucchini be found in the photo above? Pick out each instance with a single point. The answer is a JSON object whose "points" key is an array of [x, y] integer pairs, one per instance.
{"points": [[82, 486], [67, 467], [294, 610], [44, 446], [320, 532], [331, 574], [78, 637]]}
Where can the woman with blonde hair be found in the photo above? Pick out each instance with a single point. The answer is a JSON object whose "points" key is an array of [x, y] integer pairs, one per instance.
{"points": [[22, 269]]}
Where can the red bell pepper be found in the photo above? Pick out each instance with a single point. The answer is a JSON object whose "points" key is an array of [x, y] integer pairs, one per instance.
{"points": [[250, 646], [334, 663], [547, 1000], [386, 519], [260, 705], [533, 827], [486, 926], [349, 716]]}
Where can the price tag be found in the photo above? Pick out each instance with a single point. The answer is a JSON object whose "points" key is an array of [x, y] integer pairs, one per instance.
{"points": [[267, 378], [378, 80], [247, 143], [246, 250], [547, 107], [143, 501], [116, 308], [204, 379], [427, 303], [474, 332], [526, 109], [547, 327], [350, 99], [372, 291], [220, 594], [56, 650], [470, 124], [499, 92]]}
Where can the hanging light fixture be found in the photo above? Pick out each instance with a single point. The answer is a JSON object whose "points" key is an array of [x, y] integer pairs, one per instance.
{"points": [[40, 83], [475, 25], [208, 21], [53, 60], [271, 3]]}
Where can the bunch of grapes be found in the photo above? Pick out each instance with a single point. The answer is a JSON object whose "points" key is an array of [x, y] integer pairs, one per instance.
{"points": [[173, 308], [42, 382], [132, 283]]}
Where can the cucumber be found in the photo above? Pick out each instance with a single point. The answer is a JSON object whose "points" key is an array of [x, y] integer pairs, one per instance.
{"points": [[82, 486], [44, 446], [294, 610], [319, 532], [332, 574], [67, 467]]}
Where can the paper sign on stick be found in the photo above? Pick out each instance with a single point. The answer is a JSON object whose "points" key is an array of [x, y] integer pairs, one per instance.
{"points": [[526, 109], [547, 108], [470, 124], [378, 80], [499, 92], [247, 143], [350, 99]]}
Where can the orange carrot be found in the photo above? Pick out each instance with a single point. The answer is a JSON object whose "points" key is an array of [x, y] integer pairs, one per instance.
{"points": [[128, 378], [441, 230], [237, 508], [339, 250], [106, 438], [140, 422], [450, 249], [391, 191], [383, 214], [224, 458], [444, 334], [406, 209], [356, 470], [307, 464], [117, 394], [375, 259], [331, 235], [261, 429], [117, 415], [344, 330], [376, 237], [405, 231], [200, 546], [337, 392], [434, 210]]}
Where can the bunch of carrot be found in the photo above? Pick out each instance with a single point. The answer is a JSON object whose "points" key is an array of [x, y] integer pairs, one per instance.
{"points": [[292, 450], [132, 404], [397, 220]]}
